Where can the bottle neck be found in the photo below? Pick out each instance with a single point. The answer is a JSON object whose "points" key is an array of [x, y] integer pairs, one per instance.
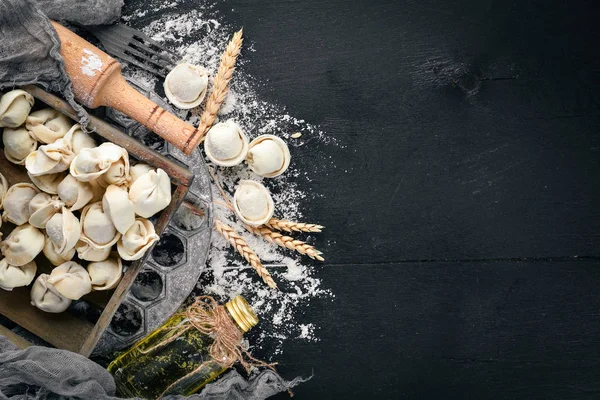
{"points": [[241, 313]]}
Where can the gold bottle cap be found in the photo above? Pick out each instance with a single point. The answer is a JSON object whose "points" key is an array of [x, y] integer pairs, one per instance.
{"points": [[242, 313]]}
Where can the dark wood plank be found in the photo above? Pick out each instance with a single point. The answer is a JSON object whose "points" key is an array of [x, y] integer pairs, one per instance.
{"points": [[497, 330], [470, 129]]}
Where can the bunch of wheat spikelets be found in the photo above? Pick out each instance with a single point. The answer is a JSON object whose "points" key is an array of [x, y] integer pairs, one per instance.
{"points": [[268, 230]]}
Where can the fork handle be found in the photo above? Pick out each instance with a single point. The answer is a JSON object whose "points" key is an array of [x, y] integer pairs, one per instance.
{"points": [[97, 81]]}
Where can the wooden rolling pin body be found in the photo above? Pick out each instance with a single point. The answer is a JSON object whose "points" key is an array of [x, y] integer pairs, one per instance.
{"points": [[97, 81]]}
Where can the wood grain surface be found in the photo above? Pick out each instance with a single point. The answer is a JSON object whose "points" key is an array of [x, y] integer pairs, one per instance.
{"points": [[463, 235]]}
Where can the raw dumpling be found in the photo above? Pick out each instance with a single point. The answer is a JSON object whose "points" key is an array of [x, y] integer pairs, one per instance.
{"points": [[64, 230], [87, 252], [268, 156], [105, 275], [252, 203], [186, 85], [42, 207], [48, 125], [3, 189], [89, 164], [137, 240], [23, 244], [50, 158], [116, 174], [80, 140], [12, 276], [226, 144], [71, 280], [48, 183], [97, 227], [14, 108], [18, 143], [151, 193], [45, 296], [52, 254], [119, 208], [74, 193], [138, 170], [16, 203]]}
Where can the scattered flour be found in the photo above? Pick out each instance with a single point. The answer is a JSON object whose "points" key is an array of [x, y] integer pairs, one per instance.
{"points": [[90, 63], [200, 36]]}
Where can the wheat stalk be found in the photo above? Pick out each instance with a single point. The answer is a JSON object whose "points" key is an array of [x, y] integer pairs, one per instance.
{"points": [[221, 84], [238, 243], [291, 226], [286, 242]]}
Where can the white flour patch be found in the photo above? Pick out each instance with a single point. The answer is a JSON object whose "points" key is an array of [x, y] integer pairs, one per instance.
{"points": [[200, 35], [90, 63]]}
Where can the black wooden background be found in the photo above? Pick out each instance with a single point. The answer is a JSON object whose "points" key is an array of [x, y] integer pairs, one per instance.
{"points": [[463, 231]]}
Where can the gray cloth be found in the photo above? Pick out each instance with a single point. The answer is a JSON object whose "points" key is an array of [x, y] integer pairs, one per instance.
{"points": [[29, 45], [43, 373]]}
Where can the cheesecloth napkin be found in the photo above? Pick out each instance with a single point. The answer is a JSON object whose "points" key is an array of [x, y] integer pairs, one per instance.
{"points": [[29, 46], [43, 373]]}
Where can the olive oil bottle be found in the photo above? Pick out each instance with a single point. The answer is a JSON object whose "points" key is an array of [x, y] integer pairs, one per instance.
{"points": [[157, 366]]}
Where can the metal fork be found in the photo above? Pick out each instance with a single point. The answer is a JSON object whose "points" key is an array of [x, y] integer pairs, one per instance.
{"points": [[135, 47]]}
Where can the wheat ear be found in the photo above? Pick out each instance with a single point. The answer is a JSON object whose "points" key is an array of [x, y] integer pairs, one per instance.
{"points": [[221, 84], [238, 243], [286, 242], [290, 226]]}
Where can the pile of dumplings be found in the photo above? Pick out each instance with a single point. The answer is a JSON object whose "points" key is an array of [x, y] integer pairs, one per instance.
{"points": [[86, 200]]}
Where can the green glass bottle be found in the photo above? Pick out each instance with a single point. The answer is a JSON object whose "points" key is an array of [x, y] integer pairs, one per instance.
{"points": [[148, 374]]}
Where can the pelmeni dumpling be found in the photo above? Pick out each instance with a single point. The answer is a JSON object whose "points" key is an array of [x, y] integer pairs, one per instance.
{"points": [[90, 164], [268, 156], [186, 85], [87, 252], [118, 207], [80, 140], [151, 193], [48, 125], [105, 275], [252, 203], [64, 230], [18, 143], [3, 189], [137, 240], [226, 144], [48, 183], [14, 108], [50, 158], [12, 276], [53, 255], [75, 194], [23, 244], [45, 296], [138, 170], [71, 280], [16, 203], [42, 207], [97, 227], [116, 174]]}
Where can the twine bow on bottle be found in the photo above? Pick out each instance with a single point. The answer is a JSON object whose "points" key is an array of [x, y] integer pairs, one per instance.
{"points": [[212, 319]]}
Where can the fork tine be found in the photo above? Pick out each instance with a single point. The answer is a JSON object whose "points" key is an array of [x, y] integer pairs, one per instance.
{"points": [[164, 64], [138, 64], [144, 47], [142, 36]]}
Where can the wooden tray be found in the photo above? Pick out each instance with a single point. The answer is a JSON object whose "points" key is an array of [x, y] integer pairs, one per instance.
{"points": [[65, 330]]}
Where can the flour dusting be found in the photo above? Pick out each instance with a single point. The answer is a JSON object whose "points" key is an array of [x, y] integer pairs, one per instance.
{"points": [[199, 35], [90, 63]]}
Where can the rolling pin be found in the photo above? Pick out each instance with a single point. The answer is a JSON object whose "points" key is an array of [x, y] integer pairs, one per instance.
{"points": [[97, 81]]}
